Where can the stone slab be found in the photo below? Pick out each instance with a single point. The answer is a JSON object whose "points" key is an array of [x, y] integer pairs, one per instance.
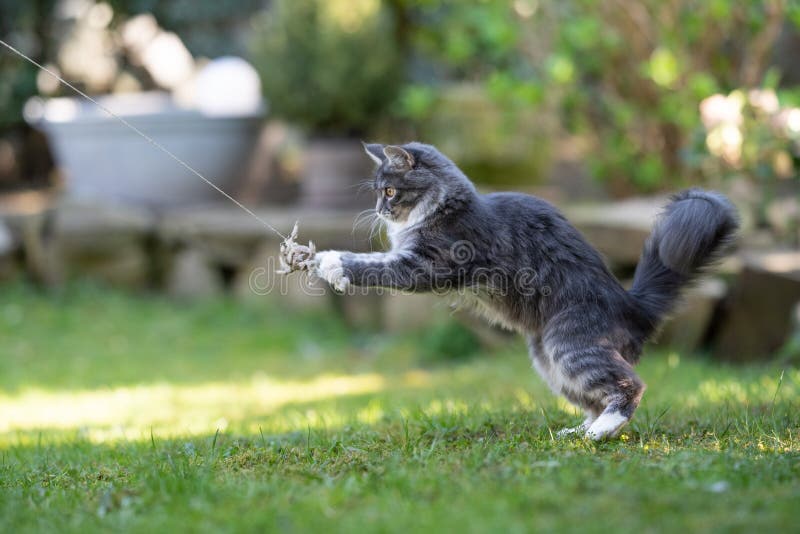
{"points": [[192, 275], [757, 317], [617, 229], [103, 241], [687, 327]]}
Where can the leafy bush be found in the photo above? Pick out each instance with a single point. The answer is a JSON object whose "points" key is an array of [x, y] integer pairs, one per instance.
{"points": [[474, 93], [754, 137], [331, 66], [640, 72], [626, 78]]}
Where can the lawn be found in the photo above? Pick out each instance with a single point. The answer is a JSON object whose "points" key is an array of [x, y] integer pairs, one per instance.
{"points": [[136, 413]]}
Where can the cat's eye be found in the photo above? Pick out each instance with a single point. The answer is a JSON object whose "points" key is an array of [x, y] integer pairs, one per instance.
{"points": [[389, 192]]}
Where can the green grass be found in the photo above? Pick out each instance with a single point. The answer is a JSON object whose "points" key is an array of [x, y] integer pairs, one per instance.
{"points": [[136, 413]]}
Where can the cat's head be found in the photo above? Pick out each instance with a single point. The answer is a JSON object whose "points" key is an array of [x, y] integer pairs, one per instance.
{"points": [[413, 180]]}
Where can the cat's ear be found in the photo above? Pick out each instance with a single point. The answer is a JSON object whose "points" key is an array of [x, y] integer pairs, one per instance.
{"points": [[374, 151], [399, 158]]}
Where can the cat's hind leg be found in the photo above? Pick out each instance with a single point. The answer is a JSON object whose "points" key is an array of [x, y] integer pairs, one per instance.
{"points": [[596, 378], [591, 416], [619, 408], [543, 362]]}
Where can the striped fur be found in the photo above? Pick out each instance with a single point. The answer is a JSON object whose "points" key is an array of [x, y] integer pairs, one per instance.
{"points": [[524, 266]]}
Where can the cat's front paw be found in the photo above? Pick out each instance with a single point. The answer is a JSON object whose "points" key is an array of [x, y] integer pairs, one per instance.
{"points": [[330, 269]]}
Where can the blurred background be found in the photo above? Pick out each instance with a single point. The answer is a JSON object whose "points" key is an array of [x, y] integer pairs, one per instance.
{"points": [[601, 107]]}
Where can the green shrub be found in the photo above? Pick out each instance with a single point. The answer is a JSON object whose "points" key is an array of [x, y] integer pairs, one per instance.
{"points": [[331, 66], [641, 72], [624, 78], [754, 136]]}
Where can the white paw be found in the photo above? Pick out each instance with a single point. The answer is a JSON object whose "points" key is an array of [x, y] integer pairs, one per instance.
{"points": [[329, 268], [607, 425], [565, 432]]}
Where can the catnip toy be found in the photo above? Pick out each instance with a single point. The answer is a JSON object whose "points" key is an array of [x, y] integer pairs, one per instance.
{"points": [[295, 256]]}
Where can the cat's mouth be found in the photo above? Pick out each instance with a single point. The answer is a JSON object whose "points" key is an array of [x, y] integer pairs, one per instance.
{"points": [[386, 215]]}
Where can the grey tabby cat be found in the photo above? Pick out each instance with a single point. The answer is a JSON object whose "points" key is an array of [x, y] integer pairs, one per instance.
{"points": [[520, 263]]}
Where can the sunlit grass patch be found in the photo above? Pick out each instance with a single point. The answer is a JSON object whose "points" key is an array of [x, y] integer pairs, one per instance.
{"points": [[172, 409], [134, 413]]}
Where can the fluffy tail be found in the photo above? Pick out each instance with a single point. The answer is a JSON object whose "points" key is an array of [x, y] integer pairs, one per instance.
{"points": [[694, 230]]}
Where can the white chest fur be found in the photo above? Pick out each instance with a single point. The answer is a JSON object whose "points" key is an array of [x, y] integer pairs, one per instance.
{"points": [[480, 303]]}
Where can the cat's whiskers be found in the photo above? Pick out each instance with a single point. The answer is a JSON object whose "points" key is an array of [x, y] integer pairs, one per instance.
{"points": [[376, 229], [364, 185], [362, 217], [368, 216]]}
